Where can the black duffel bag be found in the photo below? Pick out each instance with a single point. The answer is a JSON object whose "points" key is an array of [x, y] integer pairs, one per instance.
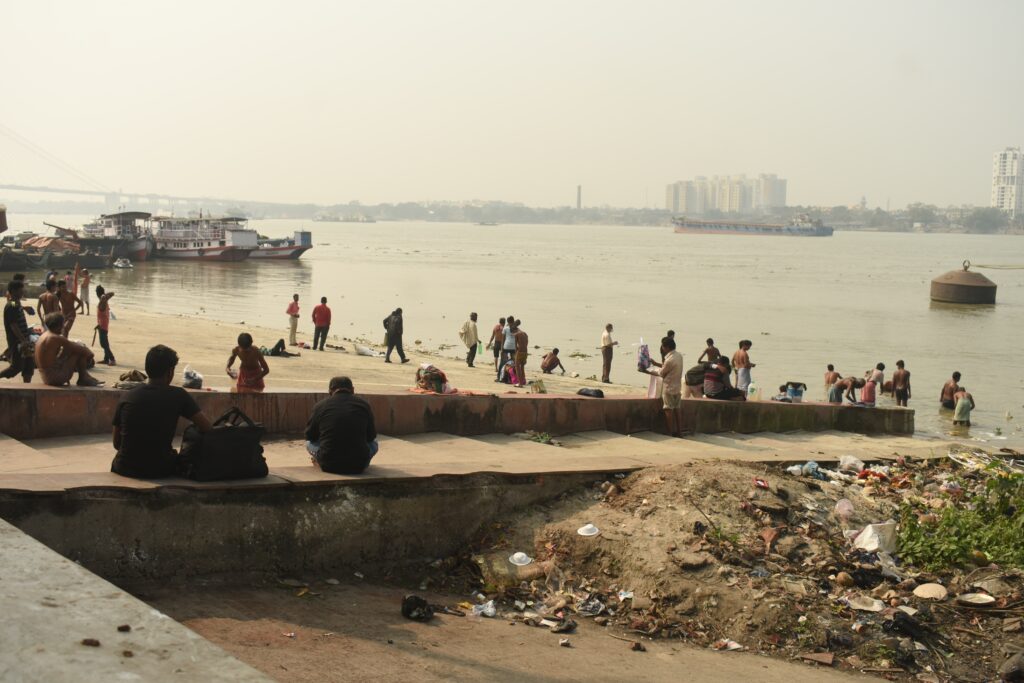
{"points": [[231, 450]]}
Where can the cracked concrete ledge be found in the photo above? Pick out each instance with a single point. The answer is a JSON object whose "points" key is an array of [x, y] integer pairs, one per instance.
{"points": [[50, 605]]}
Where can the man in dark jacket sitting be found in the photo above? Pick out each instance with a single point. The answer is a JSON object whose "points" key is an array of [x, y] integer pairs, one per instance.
{"points": [[340, 435]]}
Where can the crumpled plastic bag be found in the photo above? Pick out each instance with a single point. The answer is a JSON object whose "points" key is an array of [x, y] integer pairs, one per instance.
{"points": [[848, 463], [191, 379], [876, 537]]}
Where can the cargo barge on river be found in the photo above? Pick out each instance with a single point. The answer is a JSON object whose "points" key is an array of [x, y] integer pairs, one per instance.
{"points": [[802, 226]]}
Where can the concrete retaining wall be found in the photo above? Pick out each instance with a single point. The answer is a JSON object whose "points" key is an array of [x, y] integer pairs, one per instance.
{"points": [[292, 529], [46, 412]]}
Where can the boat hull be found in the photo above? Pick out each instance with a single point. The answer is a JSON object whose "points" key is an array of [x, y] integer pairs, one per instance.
{"points": [[285, 253], [228, 254], [688, 227]]}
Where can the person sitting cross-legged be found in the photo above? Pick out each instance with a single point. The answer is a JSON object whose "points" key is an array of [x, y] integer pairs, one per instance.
{"points": [[340, 436]]}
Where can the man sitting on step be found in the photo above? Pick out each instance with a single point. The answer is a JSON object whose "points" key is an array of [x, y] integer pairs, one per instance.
{"points": [[340, 436]]}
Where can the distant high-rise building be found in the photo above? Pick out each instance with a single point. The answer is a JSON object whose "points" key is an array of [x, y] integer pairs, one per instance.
{"points": [[728, 194], [1008, 181], [579, 197]]}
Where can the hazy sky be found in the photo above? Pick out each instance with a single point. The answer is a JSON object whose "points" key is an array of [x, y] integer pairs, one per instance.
{"points": [[391, 101]]}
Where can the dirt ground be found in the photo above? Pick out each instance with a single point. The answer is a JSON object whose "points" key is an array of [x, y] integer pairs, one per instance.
{"points": [[354, 632], [206, 344], [713, 552]]}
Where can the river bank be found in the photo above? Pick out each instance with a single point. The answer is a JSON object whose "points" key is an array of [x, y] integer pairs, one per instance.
{"points": [[206, 344]]}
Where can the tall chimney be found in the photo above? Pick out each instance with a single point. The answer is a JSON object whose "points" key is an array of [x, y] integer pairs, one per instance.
{"points": [[579, 197]]}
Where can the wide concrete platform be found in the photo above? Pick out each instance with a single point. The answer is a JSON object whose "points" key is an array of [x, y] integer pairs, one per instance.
{"points": [[83, 462], [51, 605]]}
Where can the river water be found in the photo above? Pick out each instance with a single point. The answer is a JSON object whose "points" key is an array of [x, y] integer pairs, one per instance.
{"points": [[854, 299]]}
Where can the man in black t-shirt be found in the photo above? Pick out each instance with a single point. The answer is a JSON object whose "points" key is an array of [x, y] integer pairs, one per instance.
{"points": [[340, 435], [147, 419]]}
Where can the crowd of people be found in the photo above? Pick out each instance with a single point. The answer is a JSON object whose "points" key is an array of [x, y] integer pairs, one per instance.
{"points": [[341, 436], [51, 351]]}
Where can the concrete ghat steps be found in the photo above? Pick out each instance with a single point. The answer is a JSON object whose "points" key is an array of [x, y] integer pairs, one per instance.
{"points": [[83, 462]]}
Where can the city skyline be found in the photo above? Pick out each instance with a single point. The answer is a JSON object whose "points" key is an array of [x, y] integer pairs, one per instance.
{"points": [[392, 102]]}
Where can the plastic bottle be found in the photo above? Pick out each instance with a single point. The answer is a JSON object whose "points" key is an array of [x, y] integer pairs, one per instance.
{"points": [[753, 392]]}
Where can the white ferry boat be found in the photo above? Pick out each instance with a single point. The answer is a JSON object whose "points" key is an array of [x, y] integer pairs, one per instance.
{"points": [[286, 248], [203, 239]]}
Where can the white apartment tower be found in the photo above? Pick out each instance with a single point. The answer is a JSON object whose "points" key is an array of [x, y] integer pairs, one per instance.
{"points": [[1008, 182], [729, 194]]}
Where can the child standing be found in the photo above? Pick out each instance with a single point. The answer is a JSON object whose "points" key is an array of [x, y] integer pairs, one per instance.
{"points": [[252, 367]]}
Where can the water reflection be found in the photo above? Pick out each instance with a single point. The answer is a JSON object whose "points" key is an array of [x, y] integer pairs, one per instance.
{"points": [[963, 310]]}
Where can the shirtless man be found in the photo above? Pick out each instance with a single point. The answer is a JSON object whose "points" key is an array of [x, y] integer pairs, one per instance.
{"points": [[252, 366], [83, 288], [831, 377], [495, 343], [844, 388], [70, 306], [550, 361], [522, 349], [48, 301], [742, 365], [901, 384], [949, 389], [711, 352], [59, 359]]}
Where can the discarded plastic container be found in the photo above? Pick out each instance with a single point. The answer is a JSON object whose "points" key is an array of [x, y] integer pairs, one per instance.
{"points": [[844, 509], [848, 463], [795, 470], [485, 610], [753, 392]]}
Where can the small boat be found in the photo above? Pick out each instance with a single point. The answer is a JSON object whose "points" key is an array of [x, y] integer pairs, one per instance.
{"points": [[284, 249], [488, 223], [123, 263]]}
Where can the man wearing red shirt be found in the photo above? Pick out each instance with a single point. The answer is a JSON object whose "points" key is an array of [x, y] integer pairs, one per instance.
{"points": [[321, 323]]}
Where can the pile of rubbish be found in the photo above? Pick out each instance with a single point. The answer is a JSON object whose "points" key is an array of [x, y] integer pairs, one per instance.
{"points": [[887, 569]]}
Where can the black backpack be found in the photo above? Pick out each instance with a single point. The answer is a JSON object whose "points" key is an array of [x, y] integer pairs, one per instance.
{"points": [[591, 393], [231, 450]]}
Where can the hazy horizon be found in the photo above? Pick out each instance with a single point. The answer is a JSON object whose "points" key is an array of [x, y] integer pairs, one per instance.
{"points": [[337, 102]]}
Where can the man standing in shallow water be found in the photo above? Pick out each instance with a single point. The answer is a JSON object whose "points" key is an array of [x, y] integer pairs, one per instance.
{"points": [[901, 384], [947, 397]]}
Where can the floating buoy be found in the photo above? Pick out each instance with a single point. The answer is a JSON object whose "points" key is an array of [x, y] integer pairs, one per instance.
{"points": [[963, 287]]}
